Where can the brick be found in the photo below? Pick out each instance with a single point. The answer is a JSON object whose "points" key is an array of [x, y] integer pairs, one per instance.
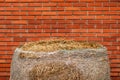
{"points": [[64, 4], [95, 12], [5, 13], [42, 9], [113, 48], [72, 17], [106, 43], [2, 61], [94, 39], [86, 9], [34, 13], [49, 31], [89, 26], [5, 30], [4, 74], [113, 57], [5, 39], [23, 1], [34, 30], [115, 17], [79, 21], [86, 0], [79, 13], [12, 17], [79, 39], [11, 9], [27, 17], [114, 74], [19, 39], [19, 30], [44, 27], [58, 27], [72, 8], [87, 17], [88, 34], [36, 35], [114, 65], [79, 30], [49, 4], [72, 1], [33, 39], [58, 34], [94, 30], [57, 0], [94, 22], [80, 5], [103, 17], [111, 13], [109, 21], [115, 60], [109, 30], [3, 78], [114, 8], [115, 70], [64, 13], [8, 61], [42, 4], [35, 22], [5, 4], [115, 78], [109, 39], [49, 21], [5, 48], [101, 0], [12, 43], [94, 4], [2, 44], [49, 13], [19, 13], [101, 9], [5, 22], [72, 34], [19, 5], [11, 1], [57, 9], [64, 21], [103, 34], [57, 17], [43, 17], [19, 22], [35, 4], [4, 69], [2, 17], [64, 30], [27, 9], [110, 4], [1, 0]]}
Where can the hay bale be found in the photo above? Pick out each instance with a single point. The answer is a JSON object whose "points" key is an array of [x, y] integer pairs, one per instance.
{"points": [[60, 60]]}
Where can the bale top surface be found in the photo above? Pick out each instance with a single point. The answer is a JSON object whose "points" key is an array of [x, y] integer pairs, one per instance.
{"points": [[53, 45]]}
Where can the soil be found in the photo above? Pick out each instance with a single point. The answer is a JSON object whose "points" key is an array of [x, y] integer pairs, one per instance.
{"points": [[58, 44]]}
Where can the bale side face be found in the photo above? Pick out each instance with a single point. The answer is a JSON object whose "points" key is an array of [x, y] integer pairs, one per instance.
{"points": [[75, 64], [55, 70]]}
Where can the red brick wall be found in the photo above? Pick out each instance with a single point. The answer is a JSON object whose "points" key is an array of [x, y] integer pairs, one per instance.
{"points": [[84, 20]]}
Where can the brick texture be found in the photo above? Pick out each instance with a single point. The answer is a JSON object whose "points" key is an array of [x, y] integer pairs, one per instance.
{"points": [[83, 20]]}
